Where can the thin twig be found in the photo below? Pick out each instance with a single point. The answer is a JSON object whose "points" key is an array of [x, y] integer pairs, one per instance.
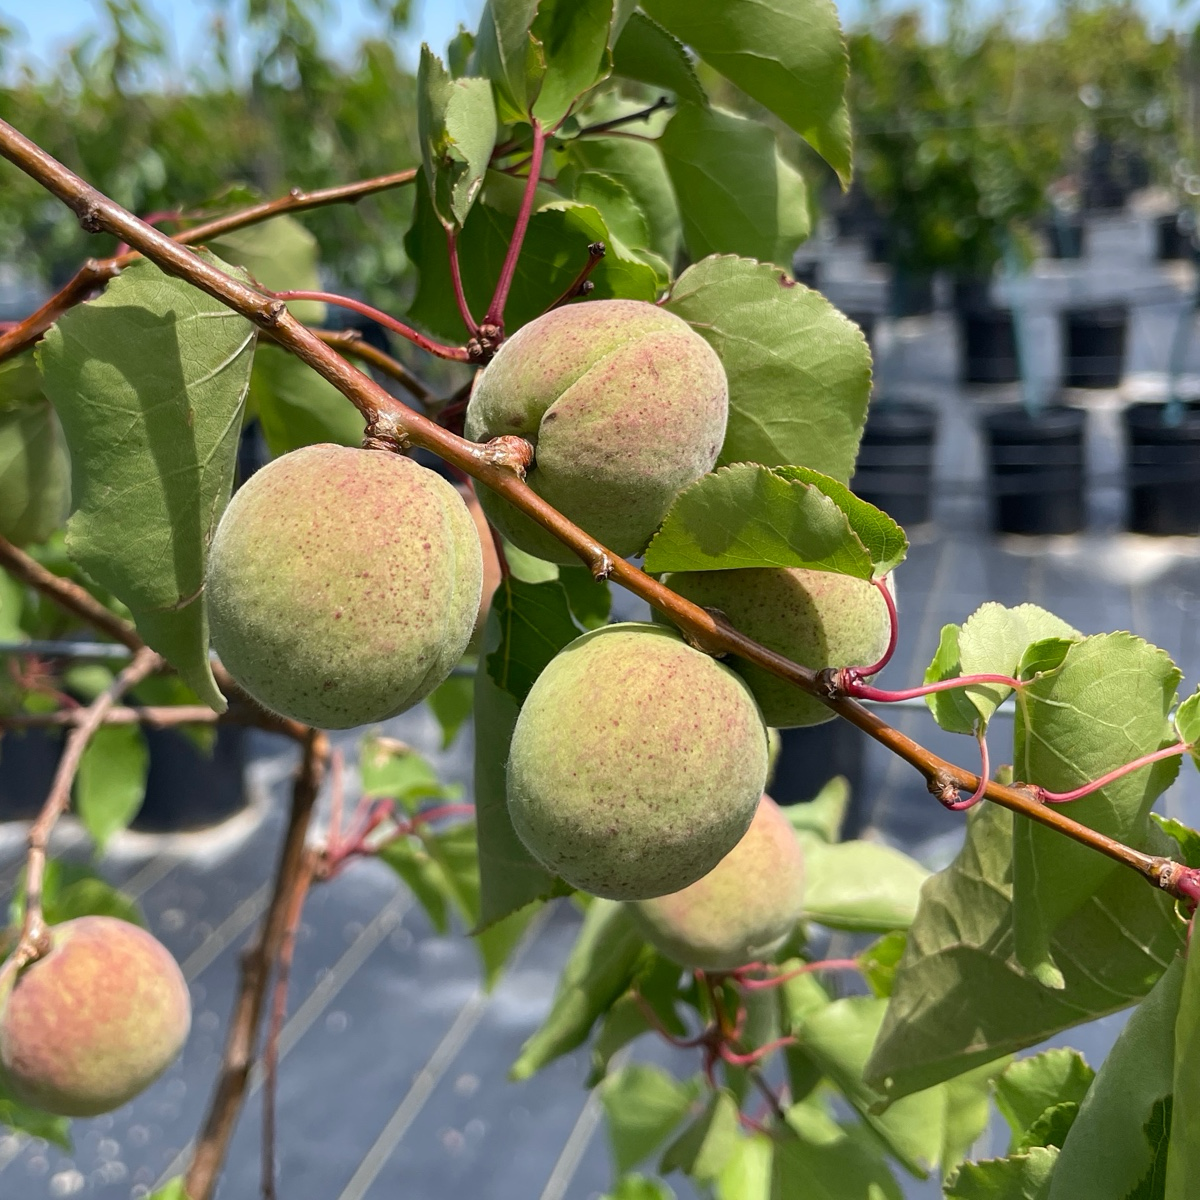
{"points": [[460, 297], [495, 313], [390, 422], [270, 1056], [1094, 785], [162, 716], [581, 285], [35, 939], [229, 1092], [352, 343]]}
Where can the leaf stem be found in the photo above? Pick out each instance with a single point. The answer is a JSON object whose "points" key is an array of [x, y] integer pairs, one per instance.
{"points": [[495, 313], [581, 285], [774, 981], [454, 353], [985, 771], [389, 421], [352, 343], [460, 297], [859, 673], [1096, 784], [852, 686], [643, 114]]}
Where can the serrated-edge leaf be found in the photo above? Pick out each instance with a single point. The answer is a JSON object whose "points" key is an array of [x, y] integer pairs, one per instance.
{"points": [[535, 623], [1187, 724], [705, 1146], [644, 1104], [647, 52], [111, 783]]}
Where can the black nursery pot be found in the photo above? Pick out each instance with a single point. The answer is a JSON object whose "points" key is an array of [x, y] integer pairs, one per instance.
{"points": [[1094, 345], [1065, 237], [911, 293], [1173, 236], [811, 756], [187, 788], [895, 461], [989, 346], [29, 760], [1036, 466], [1163, 470]]}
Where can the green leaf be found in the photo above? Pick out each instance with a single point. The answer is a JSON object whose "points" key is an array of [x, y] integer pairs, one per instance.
{"points": [[747, 1174], [799, 371], [1051, 1128], [992, 641], [1022, 1177], [170, 1191], [645, 51], [456, 122], [35, 472], [1185, 1118], [1106, 1153], [508, 54], [590, 599], [149, 380], [1187, 840], [753, 516], [1187, 722], [960, 999], [736, 194], [1105, 704], [281, 255], [639, 1187], [554, 251], [642, 1106], [615, 203], [21, 1118], [656, 986], [69, 891], [879, 961], [637, 166], [111, 783], [968, 1102], [704, 1148], [296, 407], [534, 621], [790, 58], [601, 964], [1153, 1185], [510, 876], [839, 1038], [574, 38], [424, 877], [1027, 1088], [824, 813], [861, 886], [817, 1160], [451, 702], [393, 770]]}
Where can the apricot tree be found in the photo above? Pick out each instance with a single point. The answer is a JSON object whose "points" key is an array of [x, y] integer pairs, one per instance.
{"points": [[643, 378]]}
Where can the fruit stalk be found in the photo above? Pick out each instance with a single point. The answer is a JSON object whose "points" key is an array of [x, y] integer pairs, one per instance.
{"points": [[390, 422]]}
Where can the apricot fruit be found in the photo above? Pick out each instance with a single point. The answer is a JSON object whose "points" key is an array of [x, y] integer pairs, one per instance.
{"points": [[625, 405], [636, 763], [94, 1022], [743, 910], [816, 618], [343, 585]]}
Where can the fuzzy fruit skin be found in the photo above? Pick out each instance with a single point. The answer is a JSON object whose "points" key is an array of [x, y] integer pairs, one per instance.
{"points": [[816, 618], [343, 585], [636, 763], [743, 910], [94, 1022], [625, 405]]}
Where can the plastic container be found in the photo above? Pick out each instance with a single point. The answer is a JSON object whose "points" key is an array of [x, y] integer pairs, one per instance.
{"points": [[1036, 470], [895, 461], [1163, 470], [1094, 345], [988, 344]]}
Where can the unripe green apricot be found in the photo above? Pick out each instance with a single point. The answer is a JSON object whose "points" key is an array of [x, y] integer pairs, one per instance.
{"points": [[625, 405], [743, 910], [816, 618], [343, 585], [636, 763], [94, 1022]]}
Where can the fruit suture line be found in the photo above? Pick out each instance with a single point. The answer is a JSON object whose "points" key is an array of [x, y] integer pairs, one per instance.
{"points": [[392, 423]]}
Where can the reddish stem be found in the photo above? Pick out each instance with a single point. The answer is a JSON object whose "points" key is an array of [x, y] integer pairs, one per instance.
{"points": [[460, 297], [659, 1028], [851, 686], [1096, 784], [454, 353], [441, 812], [580, 285], [859, 673], [495, 312], [501, 555], [752, 1057], [985, 771]]}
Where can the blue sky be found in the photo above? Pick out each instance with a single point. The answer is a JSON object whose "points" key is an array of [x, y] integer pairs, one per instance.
{"points": [[47, 25]]}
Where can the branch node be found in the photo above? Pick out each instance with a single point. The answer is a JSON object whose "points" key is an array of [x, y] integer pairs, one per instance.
{"points": [[943, 788], [831, 683], [90, 220], [481, 348], [510, 453], [384, 433], [275, 312], [601, 567]]}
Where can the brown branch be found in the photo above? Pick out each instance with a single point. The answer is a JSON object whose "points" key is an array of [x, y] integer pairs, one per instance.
{"points": [[162, 716], [229, 1093], [94, 272], [350, 342], [77, 600], [35, 938], [391, 423]]}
